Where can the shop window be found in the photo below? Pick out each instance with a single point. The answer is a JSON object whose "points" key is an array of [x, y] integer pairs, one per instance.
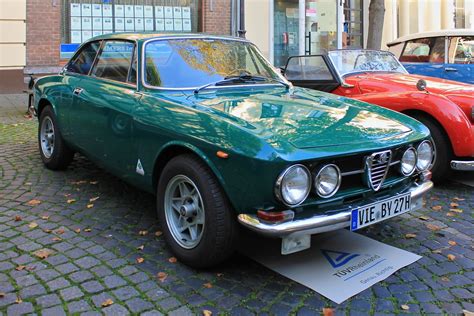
{"points": [[429, 49], [83, 19]]}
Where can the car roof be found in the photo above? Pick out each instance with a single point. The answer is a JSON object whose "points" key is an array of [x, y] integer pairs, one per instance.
{"points": [[143, 36], [454, 32]]}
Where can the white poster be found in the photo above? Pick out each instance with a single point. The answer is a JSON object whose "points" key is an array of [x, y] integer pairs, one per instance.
{"points": [[119, 11], [86, 23], [75, 9], [159, 12], [96, 10], [75, 23], [139, 24], [139, 11], [97, 24], [76, 37], [187, 25], [178, 24], [107, 24], [119, 24], [86, 9], [160, 24], [86, 35], [169, 25], [129, 24], [96, 33], [149, 25], [186, 11], [129, 11], [177, 12], [148, 11], [107, 10], [169, 12]]}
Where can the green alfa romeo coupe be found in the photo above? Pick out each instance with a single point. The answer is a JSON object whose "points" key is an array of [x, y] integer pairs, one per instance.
{"points": [[224, 140]]}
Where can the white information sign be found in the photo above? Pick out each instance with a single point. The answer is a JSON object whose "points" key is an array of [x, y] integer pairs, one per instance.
{"points": [[139, 24], [160, 24], [75, 23], [129, 11], [86, 9], [86, 35], [149, 25], [86, 23], [187, 25], [76, 37], [107, 10], [97, 24], [107, 24], [178, 24], [169, 12], [119, 11], [129, 24], [139, 11], [177, 12], [159, 12], [96, 33], [186, 11], [169, 25], [75, 9], [119, 24], [148, 11], [96, 10]]}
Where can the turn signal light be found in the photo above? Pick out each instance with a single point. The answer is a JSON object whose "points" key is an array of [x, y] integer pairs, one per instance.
{"points": [[275, 217]]}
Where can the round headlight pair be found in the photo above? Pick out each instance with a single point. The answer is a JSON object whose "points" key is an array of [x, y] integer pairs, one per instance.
{"points": [[420, 159], [294, 184]]}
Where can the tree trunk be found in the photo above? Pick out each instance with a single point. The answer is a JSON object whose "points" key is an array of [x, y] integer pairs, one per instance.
{"points": [[376, 17]]}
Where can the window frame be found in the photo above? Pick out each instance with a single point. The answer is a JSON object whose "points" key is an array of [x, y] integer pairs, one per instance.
{"points": [[99, 53], [78, 52]]}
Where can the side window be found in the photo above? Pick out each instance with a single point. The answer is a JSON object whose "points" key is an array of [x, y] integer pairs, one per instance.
{"points": [[424, 50], [82, 63], [307, 68], [461, 50], [114, 61]]}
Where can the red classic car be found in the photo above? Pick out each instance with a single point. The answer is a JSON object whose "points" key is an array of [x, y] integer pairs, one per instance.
{"points": [[445, 107]]}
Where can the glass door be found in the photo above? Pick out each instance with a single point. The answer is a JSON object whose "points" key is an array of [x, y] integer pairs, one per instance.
{"points": [[320, 26], [286, 30]]}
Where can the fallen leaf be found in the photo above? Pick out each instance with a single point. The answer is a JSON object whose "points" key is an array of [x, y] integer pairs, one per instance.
{"points": [[158, 233], [328, 311], [70, 201], [445, 279], [18, 300], [220, 274], [140, 260], [60, 231], [450, 214], [34, 202], [162, 276], [47, 231], [467, 313], [87, 230], [141, 247], [45, 217], [206, 312], [94, 199], [452, 243], [456, 210], [56, 239], [33, 225], [43, 253], [433, 227], [107, 302], [20, 267], [2, 294], [451, 257], [424, 218], [18, 218], [207, 285], [67, 194], [436, 208], [79, 182], [436, 251], [94, 182], [173, 260], [77, 230], [90, 205], [143, 232], [458, 199], [409, 235], [405, 307], [28, 183], [434, 198], [454, 204], [30, 268]]}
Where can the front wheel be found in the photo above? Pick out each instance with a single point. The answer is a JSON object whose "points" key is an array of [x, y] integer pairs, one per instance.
{"points": [[198, 222]]}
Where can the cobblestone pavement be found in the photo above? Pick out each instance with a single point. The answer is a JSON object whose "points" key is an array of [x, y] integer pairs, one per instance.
{"points": [[70, 243]]}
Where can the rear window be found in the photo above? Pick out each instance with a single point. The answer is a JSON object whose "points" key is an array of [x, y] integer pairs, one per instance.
{"points": [[424, 50]]}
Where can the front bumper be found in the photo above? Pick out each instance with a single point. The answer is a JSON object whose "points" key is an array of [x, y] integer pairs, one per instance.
{"points": [[462, 165], [322, 223]]}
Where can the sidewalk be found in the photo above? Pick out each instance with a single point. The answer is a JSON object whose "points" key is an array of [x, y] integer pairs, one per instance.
{"points": [[12, 107]]}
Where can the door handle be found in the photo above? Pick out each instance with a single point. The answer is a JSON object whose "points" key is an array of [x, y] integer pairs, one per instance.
{"points": [[77, 91], [450, 69]]}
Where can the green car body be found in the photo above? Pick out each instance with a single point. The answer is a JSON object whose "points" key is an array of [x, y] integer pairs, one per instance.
{"points": [[133, 130]]}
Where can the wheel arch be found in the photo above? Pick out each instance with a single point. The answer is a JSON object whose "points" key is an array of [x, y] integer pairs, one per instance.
{"points": [[42, 103]]}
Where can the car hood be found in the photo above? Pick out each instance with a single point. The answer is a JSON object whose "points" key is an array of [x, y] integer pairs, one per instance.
{"points": [[310, 119]]}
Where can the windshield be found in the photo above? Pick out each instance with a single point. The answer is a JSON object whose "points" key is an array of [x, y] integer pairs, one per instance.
{"points": [[190, 63], [356, 61]]}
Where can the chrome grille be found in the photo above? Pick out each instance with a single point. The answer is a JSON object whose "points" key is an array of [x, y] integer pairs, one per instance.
{"points": [[376, 168]]}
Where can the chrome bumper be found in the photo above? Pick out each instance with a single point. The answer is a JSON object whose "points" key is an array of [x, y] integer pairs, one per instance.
{"points": [[462, 165], [320, 223]]}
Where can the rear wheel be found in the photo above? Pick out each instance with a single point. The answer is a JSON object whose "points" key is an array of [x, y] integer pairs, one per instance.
{"points": [[442, 146], [198, 222], [54, 152]]}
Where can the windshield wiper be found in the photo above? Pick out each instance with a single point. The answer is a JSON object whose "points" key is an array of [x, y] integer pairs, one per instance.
{"points": [[241, 78]]}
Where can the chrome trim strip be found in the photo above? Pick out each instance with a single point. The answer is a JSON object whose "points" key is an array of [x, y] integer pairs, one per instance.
{"points": [[462, 165], [319, 223]]}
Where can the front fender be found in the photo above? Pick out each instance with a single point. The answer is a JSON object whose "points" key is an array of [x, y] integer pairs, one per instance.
{"points": [[448, 114]]}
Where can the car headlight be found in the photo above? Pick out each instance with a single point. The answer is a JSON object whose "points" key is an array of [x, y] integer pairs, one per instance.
{"points": [[408, 162], [293, 185], [327, 181], [425, 155]]}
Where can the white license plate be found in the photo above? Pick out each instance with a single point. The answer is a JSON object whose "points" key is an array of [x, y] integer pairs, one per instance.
{"points": [[369, 214]]}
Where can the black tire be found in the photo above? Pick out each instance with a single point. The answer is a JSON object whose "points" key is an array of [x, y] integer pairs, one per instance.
{"points": [[443, 151], [220, 229], [61, 155]]}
